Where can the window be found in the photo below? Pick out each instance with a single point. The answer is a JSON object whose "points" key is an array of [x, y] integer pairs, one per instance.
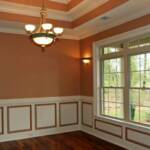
{"points": [[112, 89], [124, 77], [140, 88]]}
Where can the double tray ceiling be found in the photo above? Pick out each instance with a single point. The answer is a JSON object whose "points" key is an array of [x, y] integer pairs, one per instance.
{"points": [[80, 18]]}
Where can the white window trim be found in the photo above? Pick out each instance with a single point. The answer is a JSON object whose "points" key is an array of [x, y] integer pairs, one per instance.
{"points": [[96, 45]]}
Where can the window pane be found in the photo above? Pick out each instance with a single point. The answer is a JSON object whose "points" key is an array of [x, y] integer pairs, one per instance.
{"points": [[112, 89], [113, 48], [140, 88], [112, 95], [135, 79], [134, 97], [145, 79], [145, 98], [119, 95], [113, 109], [113, 73], [145, 115], [106, 108], [119, 111], [110, 50], [107, 82], [135, 63]]}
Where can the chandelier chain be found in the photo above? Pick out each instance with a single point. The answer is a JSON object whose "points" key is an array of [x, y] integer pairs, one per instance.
{"points": [[43, 4]]}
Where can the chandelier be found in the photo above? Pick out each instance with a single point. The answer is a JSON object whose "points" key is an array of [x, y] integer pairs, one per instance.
{"points": [[45, 33]]}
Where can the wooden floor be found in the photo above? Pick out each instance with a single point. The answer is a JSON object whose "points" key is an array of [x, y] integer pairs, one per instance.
{"points": [[67, 141]]}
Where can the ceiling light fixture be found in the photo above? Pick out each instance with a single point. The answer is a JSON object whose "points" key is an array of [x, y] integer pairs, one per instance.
{"points": [[44, 34]]}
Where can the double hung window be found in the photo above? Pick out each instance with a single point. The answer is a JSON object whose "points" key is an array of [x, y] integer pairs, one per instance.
{"points": [[124, 75]]}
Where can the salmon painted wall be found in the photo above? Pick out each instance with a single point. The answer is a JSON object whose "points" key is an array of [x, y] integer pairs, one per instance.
{"points": [[27, 72], [86, 49]]}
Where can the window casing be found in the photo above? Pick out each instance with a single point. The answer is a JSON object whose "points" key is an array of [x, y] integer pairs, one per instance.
{"points": [[125, 81]]}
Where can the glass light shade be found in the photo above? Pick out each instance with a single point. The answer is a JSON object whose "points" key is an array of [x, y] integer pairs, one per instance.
{"points": [[47, 26], [86, 61], [43, 39], [58, 30], [30, 27]]}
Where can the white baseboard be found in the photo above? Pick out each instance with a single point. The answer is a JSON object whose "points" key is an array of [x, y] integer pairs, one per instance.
{"points": [[43, 132]]}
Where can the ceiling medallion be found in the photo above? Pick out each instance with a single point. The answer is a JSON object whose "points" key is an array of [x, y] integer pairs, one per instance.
{"points": [[45, 33]]}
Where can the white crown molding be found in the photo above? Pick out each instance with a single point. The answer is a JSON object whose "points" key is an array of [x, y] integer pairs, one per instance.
{"points": [[61, 1]]}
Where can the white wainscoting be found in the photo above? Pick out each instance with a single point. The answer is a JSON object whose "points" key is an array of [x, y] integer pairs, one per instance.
{"points": [[109, 128], [128, 135], [45, 116], [87, 114], [138, 137], [1, 121], [68, 113], [19, 118], [31, 117]]}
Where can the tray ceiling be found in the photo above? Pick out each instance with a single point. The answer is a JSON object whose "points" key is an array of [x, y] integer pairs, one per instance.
{"points": [[80, 18]]}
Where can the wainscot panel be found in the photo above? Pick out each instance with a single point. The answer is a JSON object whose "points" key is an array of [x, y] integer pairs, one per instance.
{"points": [[68, 114]]}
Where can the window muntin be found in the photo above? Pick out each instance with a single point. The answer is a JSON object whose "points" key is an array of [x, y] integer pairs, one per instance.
{"points": [[112, 89], [139, 42], [140, 88], [108, 50]]}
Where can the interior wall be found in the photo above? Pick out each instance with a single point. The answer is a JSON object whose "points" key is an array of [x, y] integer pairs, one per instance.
{"points": [[86, 49], [27, 72]]}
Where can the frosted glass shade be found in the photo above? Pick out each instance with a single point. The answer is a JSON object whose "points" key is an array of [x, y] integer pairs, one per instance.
{"points": [[58, 30], [43, 39], [47, 26], [30, 27]]}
